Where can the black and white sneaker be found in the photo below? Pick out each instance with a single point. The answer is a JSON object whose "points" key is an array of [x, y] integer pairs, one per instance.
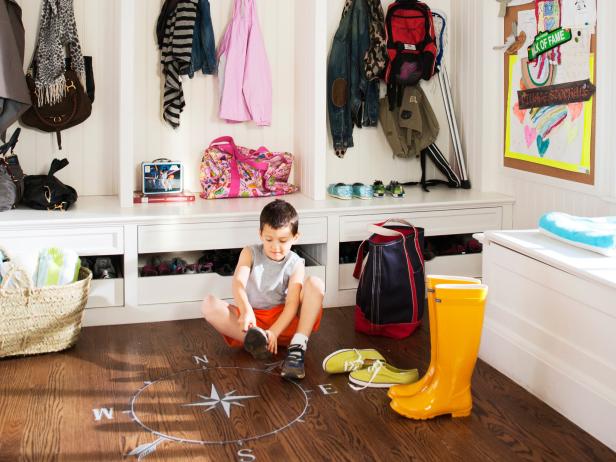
{"points": [[255, 343], [293, 366]]}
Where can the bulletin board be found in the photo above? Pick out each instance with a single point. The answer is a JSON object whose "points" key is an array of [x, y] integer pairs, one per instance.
{"points": [[557, 141]]}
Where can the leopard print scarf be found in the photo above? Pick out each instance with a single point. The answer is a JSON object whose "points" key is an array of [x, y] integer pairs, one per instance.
{"points": [[375, 59], [57, 35]]}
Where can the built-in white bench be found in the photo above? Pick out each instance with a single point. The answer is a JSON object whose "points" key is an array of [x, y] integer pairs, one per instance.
{"points": [[99, 226]]}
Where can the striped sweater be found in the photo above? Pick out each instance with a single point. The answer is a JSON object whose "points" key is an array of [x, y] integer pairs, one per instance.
{"points": [[175, 57]]}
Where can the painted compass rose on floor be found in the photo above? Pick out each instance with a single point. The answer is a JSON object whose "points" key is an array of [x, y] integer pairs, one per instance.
{"points": [[226, 402], [215, 405]]}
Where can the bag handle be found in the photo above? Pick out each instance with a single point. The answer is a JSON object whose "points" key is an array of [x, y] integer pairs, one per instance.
{"points": [[379, 228], [225, 140], [10, 145], [382, 231], [57, 165]]}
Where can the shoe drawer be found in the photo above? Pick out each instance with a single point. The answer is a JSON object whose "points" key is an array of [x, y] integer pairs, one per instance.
{"points": [[222, 235], [193, 287], [179, 288], [435, 223], [106, 292], [468, 265], [105, 240]]}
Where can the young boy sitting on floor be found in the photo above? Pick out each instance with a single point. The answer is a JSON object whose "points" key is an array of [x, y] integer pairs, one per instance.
{"points": [[274, 304]]}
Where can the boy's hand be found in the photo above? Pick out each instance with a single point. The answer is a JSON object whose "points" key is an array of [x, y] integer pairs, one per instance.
{"points": [[247, 320], [272, 342]]}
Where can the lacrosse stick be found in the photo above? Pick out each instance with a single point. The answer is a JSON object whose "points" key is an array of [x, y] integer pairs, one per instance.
{"points": [[440, 24]]}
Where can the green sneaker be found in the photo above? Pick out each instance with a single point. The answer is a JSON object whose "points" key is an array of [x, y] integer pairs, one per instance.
{"points": [[350, 359], [395, 189], [378, 188], [381, 375]]}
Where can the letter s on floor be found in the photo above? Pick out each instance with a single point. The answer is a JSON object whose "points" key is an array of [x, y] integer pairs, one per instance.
{"points": [[246, 455]]}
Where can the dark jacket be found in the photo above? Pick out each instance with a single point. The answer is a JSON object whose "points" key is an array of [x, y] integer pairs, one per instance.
{"points": [[352, 99], [14, 95]]}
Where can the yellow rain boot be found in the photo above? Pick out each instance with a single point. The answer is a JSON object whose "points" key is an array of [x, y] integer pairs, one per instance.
{"points": [[459, 319], [431, 282]]}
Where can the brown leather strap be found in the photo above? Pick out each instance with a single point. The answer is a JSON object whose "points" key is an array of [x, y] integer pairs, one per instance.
{"points": [[59, 139]]}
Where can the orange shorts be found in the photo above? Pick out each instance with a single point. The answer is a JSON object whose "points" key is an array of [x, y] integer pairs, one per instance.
{"points": [[265, 319]]}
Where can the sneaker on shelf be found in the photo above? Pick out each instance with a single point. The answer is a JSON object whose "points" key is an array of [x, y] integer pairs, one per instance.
{"points": [[473, 246], [164, 269], [395, 189], [149, 270], [350, 359], [378, 188], [255, 343], [225, 270], [340, 191], [381, 375], [86, 262], [103, 268], [178, 266], [192, 268], [293, 366], [362, 191]]}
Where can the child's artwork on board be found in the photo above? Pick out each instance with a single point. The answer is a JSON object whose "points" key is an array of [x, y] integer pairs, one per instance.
{"points": [[557, 135], [549, 116]]}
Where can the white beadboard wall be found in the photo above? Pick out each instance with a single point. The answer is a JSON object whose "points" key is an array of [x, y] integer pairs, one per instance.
{"points": [[478, 93], [199, 121], [371, 157], [89, 147]]}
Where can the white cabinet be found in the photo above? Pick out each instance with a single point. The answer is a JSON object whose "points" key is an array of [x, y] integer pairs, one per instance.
{"points": [[550, 322]]}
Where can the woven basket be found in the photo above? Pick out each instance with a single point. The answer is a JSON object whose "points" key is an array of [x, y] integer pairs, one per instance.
{"points": [[42, 320]]}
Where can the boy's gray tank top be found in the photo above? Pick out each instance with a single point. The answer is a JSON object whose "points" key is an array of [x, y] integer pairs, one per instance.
{"points": [[269, 280]]}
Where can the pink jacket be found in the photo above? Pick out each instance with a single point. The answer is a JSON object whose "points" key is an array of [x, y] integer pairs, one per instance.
{"points": [[244, 73]]}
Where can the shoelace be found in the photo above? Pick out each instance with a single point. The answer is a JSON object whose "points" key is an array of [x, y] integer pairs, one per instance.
{"points": [[350, 366], [375, 369], [296, 354]]}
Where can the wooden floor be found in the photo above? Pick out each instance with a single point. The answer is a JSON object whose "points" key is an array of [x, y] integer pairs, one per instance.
{"points": [[49, 405]]}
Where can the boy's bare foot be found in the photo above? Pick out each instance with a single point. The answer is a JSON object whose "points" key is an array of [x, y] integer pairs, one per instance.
{"points": [[255, 343]]}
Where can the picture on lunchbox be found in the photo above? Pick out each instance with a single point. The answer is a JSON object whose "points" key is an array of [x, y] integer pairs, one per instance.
{"points": [[162, 176]]}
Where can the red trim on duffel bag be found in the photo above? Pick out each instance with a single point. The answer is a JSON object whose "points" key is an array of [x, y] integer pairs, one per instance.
{"points": [[396, 331], [409, 267]]}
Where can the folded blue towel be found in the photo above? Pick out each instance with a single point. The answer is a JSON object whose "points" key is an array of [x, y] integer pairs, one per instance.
{"points": [[596, 234]]}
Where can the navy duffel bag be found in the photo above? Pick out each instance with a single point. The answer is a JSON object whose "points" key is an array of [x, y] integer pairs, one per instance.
{"points": [[391, 292]]}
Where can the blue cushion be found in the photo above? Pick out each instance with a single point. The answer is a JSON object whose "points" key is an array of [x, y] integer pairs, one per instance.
{"points": [[598, 234]]}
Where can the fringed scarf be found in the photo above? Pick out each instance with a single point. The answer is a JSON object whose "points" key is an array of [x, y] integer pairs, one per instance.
{"points": [[57, 36]]}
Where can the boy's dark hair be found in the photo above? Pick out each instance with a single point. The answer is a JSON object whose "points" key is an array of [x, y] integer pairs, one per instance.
{"points": [[279, 214]]}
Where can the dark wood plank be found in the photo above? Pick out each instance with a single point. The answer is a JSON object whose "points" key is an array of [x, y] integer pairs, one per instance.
{"points": [[47, 402]]}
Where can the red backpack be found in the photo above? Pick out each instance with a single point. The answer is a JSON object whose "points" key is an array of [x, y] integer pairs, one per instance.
{"points": [[411, 47]]}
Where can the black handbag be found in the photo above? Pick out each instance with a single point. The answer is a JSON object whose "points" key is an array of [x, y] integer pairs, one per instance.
{"points": [[11, 175], [46, 192]]}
